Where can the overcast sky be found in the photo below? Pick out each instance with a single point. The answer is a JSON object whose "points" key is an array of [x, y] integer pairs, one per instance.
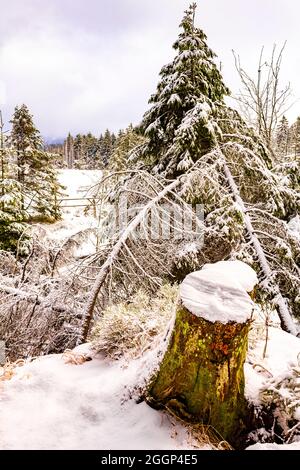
{"points": [[88, 65]]}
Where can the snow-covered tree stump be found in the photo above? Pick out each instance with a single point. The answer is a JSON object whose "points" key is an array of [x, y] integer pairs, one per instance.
{"points": [[201, 376]]}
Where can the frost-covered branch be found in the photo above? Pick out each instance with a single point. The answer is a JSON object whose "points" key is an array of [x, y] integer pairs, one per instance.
{"points": [[128, 232], [263, 101], [284, 313]]}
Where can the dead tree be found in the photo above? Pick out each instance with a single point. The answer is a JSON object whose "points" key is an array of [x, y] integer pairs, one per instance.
{"points": [[263, 101], [69, 151]]}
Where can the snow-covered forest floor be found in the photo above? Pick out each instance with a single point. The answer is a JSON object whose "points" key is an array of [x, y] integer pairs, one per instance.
{"points": [[52, 403], [68, 401], [83, 400]]}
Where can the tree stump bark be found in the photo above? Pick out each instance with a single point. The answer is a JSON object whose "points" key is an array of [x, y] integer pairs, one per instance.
{"points": [[201, 376]]}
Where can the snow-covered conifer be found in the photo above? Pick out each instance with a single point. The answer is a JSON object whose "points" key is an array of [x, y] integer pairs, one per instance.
{"points": [[126, 141], [283, 137], [192, 132], [13, 236], [181, 124], [295, 137], [35, 171], [107, 142]]}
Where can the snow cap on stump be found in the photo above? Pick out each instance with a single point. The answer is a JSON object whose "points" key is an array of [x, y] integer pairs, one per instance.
{"points": [[218, 293]]}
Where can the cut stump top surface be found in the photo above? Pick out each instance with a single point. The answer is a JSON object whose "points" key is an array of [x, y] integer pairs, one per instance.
{"points": [[218, 292]]}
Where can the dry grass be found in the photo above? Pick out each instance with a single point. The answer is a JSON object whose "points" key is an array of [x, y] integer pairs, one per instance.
{"points": [[283, 393], [128, 329], [199, 435], [72, 357], [206, 435], [7, 371]]}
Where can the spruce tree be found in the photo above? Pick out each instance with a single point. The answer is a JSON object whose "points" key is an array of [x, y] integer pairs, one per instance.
{"points": [[13, 235], [283, 137], [27, 143], [69, 153], [91, 150], [35, 171], [295, 136], [190, 125], [78, 150], [107, 145], [126, 141], [13, 230], [189, 117], [181, 123]]}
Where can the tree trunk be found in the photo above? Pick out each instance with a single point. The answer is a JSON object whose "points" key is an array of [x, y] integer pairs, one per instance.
{"points": [[102, 275], [286, 319], [201, 376]]}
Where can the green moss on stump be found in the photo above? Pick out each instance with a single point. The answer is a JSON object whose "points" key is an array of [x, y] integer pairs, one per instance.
{"points": [[201, 377]]}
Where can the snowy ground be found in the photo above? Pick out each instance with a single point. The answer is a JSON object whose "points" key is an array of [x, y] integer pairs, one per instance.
{"points": [[49, 404], [77, 183], [282, 354], [280, 362], [75, 220], [52, 404]]}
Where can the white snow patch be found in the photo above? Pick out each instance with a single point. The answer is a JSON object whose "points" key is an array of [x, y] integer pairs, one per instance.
{"points": [[52, 405], [218, 292], [297, 413], [294, 226], [282, 352], [77, 183], [271, 446]]}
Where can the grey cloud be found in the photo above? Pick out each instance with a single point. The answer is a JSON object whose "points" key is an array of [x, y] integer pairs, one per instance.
{"points": [[90, 64]]}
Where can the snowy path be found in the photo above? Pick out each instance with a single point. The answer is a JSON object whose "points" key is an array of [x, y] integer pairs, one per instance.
{"points": [[77, 182], [53, 405], [50, 404]]}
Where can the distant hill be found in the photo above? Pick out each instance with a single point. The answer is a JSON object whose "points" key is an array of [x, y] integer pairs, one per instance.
{"points": [[53, 140]]}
